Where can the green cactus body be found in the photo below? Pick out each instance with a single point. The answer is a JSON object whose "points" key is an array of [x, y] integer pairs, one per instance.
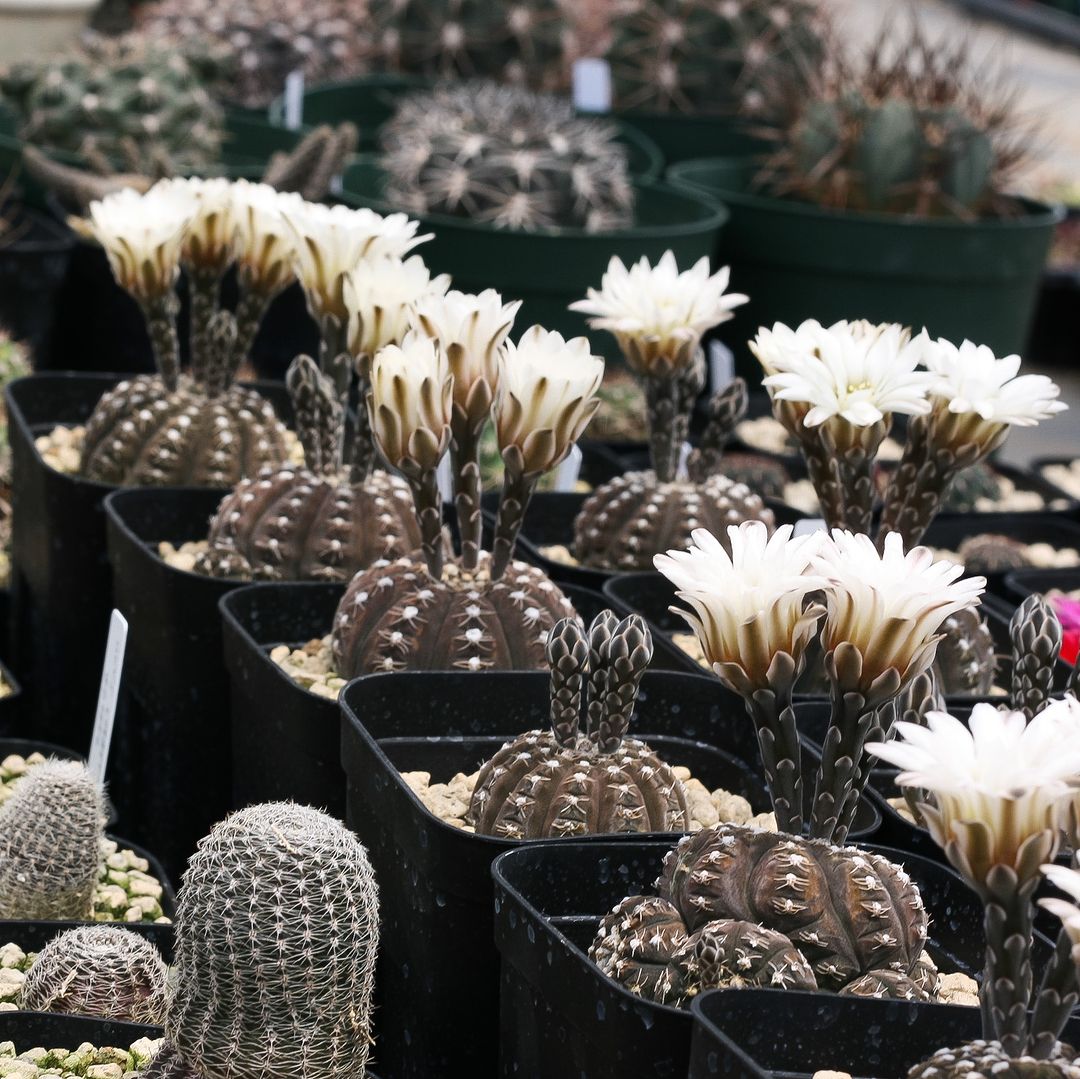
{"points": [[969, 486], [121, 106], [506, 156], [51, 830]]}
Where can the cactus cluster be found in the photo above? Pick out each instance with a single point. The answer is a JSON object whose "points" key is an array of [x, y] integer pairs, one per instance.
{"points": [[701, 56], [101, 971], [562, 782], [526, 42], [265, 42], [276, 938], [507, 156], [633, 517], [849, 918], [50, 843], [913, 127], [119, 105]]}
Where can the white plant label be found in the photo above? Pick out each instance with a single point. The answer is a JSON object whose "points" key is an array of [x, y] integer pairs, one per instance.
{"points": [[592, 84], [294, 100], [444, 478], [721, 366], [566, 475], [108, 695], [681, 472], [808, 525]]}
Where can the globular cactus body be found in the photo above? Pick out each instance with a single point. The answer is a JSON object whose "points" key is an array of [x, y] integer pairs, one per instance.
{"points": [[51, 830], [765, 476], [276, 937], [506, 156], [969, 486], [101, 971], [292, 525], [634, 516], [395, 616], [992, 553], [140, 434], [965, 662], [988, 1060]]}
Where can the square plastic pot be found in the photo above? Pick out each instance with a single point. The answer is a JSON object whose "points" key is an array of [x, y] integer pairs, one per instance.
{"points": [[433, 875], [1022, 583], [45, 1030], [560, 1016], [11, 706], [286, 739]]}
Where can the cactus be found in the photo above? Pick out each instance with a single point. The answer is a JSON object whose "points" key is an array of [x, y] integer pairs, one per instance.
{"points": [[560, 782], [506, 156], [522, 41], [965, 662], [913, 127], [101, 971], [697, 56], [983, 1058], [848, 911], [326, 39], [887, 985], [276, 935], [765, 476], [633, 517], [991, 553], [51, 830], [119, 105], [969, 486], [621, 415]]}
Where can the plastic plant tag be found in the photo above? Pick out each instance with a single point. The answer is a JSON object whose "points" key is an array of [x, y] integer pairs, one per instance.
{"points": [[566, 475], [721, 366], [294, 100], [108, 695], [592, 84], [444, 477], [681, 472], [808, 525]]}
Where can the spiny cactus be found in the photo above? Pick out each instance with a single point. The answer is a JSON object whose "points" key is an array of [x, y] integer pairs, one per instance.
{"points": [[50, 843], [507, 156], [276, 936], [395, 616], [119, 105], [965, 662], [912, 127], [1035, 634], [887, 985], [101, 971], [326, 39], [991, 553], [765, 476], [969, 486], [518, 41], [562, 782], [983, 1059], [848, 911], [699, 56]]}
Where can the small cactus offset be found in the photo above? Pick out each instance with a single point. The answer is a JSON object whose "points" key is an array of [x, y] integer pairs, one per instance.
{"points": [[561, 782], [969, 487], [986, 1058], [887, 985], [507, 156], [98, 970], [51, 830], [120, 106], [276, 937], [1036, 637], [966, 661], [991, 553]]}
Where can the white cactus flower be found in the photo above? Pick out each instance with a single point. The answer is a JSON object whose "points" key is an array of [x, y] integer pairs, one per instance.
{"points": [[381, 294], [330, 242], [546, 396], [997, 783], [890, 606], [1068, 880], [262, 241], [748, 603], [143, 236], [656, 313], [208, 241], [411, 402]]}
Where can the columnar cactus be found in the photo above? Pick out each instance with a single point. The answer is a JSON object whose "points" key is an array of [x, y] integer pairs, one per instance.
{"points": [[101, 971], [560, 782], [276, 935], [965, 662], [51, 830]]}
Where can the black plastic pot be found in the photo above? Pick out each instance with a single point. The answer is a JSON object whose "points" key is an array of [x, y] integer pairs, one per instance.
{"points": [[11, 706], [32, 1030], [34, 255], [178, 705], [1054, 340], [433, 875], [61, 580], [286, 740], [33, 936], [561, 1016], [1040, 464], [1026, 582], [808, 1032]]}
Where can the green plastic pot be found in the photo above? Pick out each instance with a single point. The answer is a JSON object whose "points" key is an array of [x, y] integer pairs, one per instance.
{"points": [[976, 280], [549, 270], [683, 137], [369, 102]]}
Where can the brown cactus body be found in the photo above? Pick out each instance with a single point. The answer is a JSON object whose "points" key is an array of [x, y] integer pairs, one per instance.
{"points": [[633, 517], [634, 945], [848, 911], [140, 434], [292, 525], [887, 985], [989, 552], [965, 660], [395, 616], [982, 1059]]}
